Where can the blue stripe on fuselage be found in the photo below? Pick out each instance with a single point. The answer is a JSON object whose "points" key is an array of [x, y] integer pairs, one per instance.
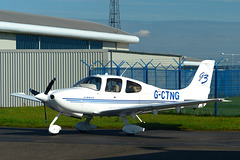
{"points": [[112, 101]]}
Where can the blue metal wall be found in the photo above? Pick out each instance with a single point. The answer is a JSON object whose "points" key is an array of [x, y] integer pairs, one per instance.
{"points": [[27, 42]]}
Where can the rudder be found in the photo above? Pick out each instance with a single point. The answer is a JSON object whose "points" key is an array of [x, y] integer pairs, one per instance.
{"points": [[199, 88]]}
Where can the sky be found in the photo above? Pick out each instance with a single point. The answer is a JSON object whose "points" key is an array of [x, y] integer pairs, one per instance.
{"points": [[140, 10], [144, 18]]}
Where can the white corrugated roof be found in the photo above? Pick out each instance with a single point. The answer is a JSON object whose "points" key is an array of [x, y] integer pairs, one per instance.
{"points": [[17, 22]]}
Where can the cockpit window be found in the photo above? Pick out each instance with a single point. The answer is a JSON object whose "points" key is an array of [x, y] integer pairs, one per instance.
{"points": [[90, 82], [133, 87], [113, 85]]}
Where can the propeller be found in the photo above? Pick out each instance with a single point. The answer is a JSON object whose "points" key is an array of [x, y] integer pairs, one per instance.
{"points": [[35, 93], [49, 86]]}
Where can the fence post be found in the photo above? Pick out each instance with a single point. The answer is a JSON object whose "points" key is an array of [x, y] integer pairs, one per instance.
{"points": [[146, 71], [166, 77], [118, 68], [118, 71], [111, 62], [179, 72], [155, 74], [216, 85], [146, 74], [89, 71], [216, 90]]}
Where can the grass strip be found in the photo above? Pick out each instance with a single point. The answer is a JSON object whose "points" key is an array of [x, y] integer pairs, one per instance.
{"points": [[33, 117]]}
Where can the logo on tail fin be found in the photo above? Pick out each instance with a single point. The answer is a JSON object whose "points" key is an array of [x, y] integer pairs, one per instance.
{"points": [[203, 77]]}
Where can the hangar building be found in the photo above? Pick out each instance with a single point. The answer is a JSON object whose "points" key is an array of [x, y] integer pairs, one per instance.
{"points": [[36, 48]]}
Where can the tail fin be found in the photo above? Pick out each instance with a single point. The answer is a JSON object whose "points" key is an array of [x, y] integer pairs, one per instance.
{"points": [[200, 85]]}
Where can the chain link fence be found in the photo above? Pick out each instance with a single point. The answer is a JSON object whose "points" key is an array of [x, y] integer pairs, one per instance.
{"points": [[225, 82]]}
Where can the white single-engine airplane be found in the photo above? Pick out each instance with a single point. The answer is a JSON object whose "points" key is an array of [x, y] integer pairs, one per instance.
{"points": [[108, 95]]}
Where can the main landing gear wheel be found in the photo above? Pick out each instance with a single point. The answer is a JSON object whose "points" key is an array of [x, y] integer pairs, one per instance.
{"points": [[85, 126], [130, 128]]}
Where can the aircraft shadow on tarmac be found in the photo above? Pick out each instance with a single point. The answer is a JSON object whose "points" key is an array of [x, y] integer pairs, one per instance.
{"points": [[160, 126], [114, 132], [72, 132], [181, 154]]}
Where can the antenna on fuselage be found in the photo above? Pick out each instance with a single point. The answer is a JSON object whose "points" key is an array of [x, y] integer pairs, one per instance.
{"points": [[124, 71]]}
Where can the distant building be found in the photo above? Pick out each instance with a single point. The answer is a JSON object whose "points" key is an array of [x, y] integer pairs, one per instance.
{"points": [[189, 61]]}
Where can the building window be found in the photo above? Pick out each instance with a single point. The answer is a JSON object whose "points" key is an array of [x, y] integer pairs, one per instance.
{"points": [[63, 43], [96, 44], [34, 42], [27, 42]]}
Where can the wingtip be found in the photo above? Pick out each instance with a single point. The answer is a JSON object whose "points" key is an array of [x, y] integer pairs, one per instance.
{"points": [[224, 100]]}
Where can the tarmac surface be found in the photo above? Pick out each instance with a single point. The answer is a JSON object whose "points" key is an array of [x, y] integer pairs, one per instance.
{"points": [[69, 144]]}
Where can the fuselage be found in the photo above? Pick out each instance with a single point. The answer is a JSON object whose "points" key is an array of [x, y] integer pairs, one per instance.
{"points": [[95, 94]]}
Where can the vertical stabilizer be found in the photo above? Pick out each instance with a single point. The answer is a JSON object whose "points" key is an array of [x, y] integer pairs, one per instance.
{"points": [[199, 88]]}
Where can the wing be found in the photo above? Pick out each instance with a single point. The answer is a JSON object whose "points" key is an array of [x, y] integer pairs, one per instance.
{"points": [[23, 95], [155, 107]]}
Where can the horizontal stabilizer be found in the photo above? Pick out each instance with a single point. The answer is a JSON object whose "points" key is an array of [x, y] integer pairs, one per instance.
{"points": [[23, 95]]}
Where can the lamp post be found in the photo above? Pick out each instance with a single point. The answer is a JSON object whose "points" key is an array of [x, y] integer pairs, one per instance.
{"points": [[234, 77], [230, 55]]}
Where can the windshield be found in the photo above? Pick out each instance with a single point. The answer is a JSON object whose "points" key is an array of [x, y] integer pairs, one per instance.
{"points": [[90, 82]]}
